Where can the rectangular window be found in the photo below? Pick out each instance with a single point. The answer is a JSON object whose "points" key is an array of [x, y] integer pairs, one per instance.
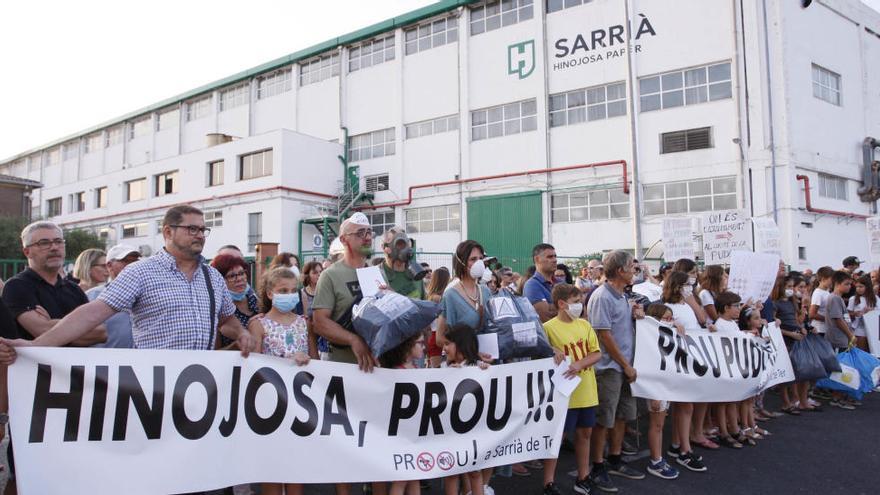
{"points": [[234, 97], [52, 157], [376, 183], [582, 105], [318, 69], [504, 120], [53, 207], [595, 204], [113, 136], [802, 253], [371, 52], [215, 173], [433, 219], [826, 85], [429, 127], [77, 202], [381, 221], [135, 230], [92, 143], [685, 87], [371, 145], [255, 230], [274, 83], [213, 218], [168, 119], [254, 165], [135, 190], [165, 183], [690, 196], [70, 151], [101, 197], [431, 34], [688, 140], [197, 109], [832, 186], [140, 127], [556, 5], [493, 15]]}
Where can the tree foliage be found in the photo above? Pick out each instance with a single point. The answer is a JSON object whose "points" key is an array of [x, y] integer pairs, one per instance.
{"points": [[10, 239]]}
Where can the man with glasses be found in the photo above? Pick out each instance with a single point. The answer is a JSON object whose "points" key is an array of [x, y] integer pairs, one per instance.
{"points": [[338, 291], [176, 301], [39, 296], [118, 325]]}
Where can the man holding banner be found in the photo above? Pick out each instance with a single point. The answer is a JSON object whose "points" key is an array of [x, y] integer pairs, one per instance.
{"points": [[612, 317]]}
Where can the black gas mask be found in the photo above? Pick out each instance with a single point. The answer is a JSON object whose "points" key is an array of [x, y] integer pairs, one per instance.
{"points": [[401, 247]]}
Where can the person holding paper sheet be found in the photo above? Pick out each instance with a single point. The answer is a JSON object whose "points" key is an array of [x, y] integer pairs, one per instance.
{"points": [[862, 302], [612, 317], [787, 306], [574, 336]]}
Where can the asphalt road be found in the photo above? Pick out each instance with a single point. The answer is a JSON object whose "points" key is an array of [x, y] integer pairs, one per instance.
{"points": [[831, 452]]}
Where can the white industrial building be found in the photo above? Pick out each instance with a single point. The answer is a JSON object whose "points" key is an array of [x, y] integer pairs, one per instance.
{"points": [[760, 105]]}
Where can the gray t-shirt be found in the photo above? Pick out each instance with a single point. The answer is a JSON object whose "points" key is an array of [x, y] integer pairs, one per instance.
{"points": [[118, 325], [608, 310], [834, 310]]}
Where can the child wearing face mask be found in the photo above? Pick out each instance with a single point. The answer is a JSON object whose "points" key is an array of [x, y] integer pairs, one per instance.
{"points": [[658, 408], [574, 336]]}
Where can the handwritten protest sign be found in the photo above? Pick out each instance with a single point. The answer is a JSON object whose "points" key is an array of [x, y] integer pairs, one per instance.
{"points": [[723, 233], [678, 239], [873, 225], [752, 275], [767, 237]]}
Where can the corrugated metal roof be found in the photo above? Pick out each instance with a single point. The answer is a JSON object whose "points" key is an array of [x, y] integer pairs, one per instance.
{"points": [[353, 37]]}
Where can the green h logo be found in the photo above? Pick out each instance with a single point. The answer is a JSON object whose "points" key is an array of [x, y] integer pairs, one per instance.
{"points": [[521, 58]]}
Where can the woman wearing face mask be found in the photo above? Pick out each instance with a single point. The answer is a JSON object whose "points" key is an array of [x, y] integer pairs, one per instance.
{"points": [[235, 272], [792, 331], [562, 275]]}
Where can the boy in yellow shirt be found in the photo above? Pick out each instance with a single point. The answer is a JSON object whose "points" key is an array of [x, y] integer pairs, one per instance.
{"points": [[573, 336]]}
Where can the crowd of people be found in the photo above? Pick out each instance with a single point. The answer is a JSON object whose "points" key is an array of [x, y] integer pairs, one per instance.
{"points": [[175, 299]]}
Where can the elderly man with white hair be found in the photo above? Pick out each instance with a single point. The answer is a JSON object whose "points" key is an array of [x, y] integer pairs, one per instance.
{"points": [[118, 325]]}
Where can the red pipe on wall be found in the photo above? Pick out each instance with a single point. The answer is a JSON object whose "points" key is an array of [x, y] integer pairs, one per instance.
{"points": [[809, 203], [409, 199], [224, 196]]}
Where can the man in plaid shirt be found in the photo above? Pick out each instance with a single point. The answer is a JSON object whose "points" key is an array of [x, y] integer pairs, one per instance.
{"points": [[167, 295]]}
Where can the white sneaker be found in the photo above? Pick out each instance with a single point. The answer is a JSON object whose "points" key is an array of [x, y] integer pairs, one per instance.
{"points": [[488, 490]]}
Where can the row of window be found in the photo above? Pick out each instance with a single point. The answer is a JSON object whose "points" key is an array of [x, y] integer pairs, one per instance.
{"points": [[250, 166]]}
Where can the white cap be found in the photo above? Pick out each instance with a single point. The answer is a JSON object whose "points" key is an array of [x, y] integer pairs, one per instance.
{"points": [[120, 251], [359, 219], [336, 247]]}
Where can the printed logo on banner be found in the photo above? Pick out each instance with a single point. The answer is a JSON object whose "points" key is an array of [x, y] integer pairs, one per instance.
{"points": [[521, 58]]}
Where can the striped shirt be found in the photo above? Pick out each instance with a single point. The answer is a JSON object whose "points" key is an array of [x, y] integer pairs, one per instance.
{"points": [[168, 311]]}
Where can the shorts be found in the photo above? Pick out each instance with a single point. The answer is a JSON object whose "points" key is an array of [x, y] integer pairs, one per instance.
{"points": [[432, 349], [615, 398], [580, 417], [658, 406]]}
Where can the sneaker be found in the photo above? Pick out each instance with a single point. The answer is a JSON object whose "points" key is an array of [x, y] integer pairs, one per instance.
{"points": [[551, 489], [628, 449], [662, 470], [583, 486], [602, 481], [488, 490], [673, 451], [621, 469], [842, 405], [691, 462]]}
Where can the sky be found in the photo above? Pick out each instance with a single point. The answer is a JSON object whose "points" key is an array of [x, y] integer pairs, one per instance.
{"points": [[67, 65]]}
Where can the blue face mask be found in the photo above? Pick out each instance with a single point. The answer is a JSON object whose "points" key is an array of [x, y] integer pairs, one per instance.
{"points": [[239, 296], [285, 302]]}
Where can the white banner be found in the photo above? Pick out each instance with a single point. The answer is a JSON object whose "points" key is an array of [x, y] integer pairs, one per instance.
{"points": [[872, 330], [723, 233], [109, 421], [873, 226], [767, 237], [752, 275], [678, 239], [706, 367]]}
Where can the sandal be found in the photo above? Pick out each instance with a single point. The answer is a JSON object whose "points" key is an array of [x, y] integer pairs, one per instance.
{"points": [[744, 439], [520, 470], [706, 444], [730, 442], [791, 410], [762, 432]]}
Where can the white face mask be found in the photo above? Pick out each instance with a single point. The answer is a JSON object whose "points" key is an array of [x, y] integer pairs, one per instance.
{"points": [[692, 281], [687, 291], [789, 292], [486, 277], [477, 270], [574, 310]]}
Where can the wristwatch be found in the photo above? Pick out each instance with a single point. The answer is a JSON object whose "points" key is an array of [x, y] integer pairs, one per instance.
{"points": [[4, 419]]}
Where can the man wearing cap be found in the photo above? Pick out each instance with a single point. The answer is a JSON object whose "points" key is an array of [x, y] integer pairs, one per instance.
{"points": [[338, 291], [118, 325]]}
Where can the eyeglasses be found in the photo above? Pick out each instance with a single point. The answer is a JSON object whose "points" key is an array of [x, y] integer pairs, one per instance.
{"points": [[46, 243], [362, 233], [232, 276], [194, 229]]}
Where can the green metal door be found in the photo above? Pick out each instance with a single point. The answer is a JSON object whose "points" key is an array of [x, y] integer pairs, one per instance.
{"points": [[508, 226]]}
